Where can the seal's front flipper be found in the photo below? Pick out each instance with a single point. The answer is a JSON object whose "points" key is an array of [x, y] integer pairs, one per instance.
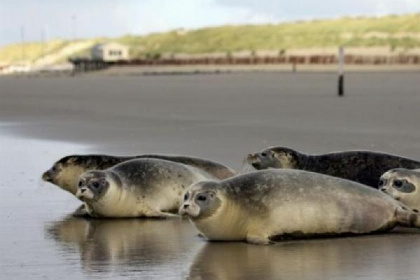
{"points": [[162, 215], [81, 211], [169, 215], [258, 240]]}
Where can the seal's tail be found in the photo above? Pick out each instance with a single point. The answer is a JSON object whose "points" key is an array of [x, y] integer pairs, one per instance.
{"points": [[408, 218]]}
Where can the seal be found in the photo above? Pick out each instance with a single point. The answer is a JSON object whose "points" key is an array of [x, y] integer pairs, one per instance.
{"points": [[65, 172], [137, 188], [403, 185], [364, 167], [270, 205]]}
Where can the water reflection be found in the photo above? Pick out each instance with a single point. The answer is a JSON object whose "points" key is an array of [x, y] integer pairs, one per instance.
{"points": [[124, 244], [346, 258], [171, 249]]}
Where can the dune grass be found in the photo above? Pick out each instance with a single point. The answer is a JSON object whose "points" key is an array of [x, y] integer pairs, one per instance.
{"points": [[390, 31], [402, 31], [29, 52]]}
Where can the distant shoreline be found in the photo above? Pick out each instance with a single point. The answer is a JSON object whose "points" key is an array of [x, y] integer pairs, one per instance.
{"points": [[203, 69], [116, 71]]}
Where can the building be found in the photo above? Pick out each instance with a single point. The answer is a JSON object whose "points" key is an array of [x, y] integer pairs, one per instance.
{"points": [[110, 52]]}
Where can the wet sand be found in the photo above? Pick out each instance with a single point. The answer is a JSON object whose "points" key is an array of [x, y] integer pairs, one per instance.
{"points": [[220, 117]]}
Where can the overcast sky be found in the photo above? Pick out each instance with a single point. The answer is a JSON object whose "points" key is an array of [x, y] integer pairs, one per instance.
{"points": [[110, 18]]}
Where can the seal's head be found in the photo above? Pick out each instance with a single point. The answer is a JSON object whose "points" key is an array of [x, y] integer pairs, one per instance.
{"points": [[93, 185], [201, 200], [274, 157], [65, 173], [402, 184]]}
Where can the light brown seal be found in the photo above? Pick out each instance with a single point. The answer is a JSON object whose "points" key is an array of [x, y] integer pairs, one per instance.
{"points": [[270, 205], [403, 185], [137, 188]]}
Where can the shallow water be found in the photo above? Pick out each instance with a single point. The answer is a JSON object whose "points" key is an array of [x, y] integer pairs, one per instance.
{"points": [[40, 239]]}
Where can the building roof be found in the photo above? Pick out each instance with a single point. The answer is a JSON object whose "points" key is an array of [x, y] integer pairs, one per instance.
{"points": [[110, 45]]}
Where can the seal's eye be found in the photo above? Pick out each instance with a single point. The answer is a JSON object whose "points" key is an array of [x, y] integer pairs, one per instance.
{"points": [[95, 185], [264, 154], [398, 183], [53, 169], [202, 198], [80, 183], [186, 196]]}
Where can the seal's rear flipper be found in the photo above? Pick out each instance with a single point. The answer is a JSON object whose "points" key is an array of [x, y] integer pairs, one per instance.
{"points": [[408, 218]]}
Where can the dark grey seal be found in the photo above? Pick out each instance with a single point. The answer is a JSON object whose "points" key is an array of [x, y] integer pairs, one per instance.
{"points": [[364, 167]]}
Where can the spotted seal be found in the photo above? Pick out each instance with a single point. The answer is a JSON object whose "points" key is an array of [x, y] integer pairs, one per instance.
{"points": [[137, 188], [65, 172], [360, 166], [270, 205], [403, 185]]}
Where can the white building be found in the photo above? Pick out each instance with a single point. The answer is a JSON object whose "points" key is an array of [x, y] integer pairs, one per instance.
{"points": [[110, 52]]}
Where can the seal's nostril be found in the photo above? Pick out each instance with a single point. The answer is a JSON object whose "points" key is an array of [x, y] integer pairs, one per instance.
{"points": [[186, 206], [46, 176], [82, 190]]}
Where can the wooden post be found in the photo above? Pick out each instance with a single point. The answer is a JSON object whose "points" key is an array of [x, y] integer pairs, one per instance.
{"points": [[341, 71]]}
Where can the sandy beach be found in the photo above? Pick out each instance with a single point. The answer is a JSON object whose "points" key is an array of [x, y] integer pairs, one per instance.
{"points": [[222, 117], [219, 116]]}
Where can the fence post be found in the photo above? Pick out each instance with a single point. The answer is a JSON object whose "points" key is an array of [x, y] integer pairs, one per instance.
{"points": [[341, 71]]}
